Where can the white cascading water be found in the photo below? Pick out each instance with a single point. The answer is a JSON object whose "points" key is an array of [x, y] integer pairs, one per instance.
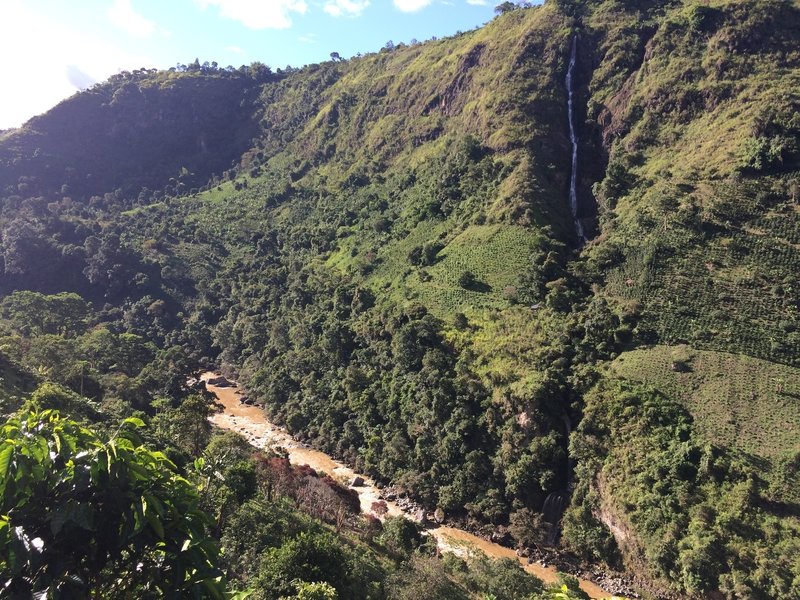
{"points": [[573, 182]]}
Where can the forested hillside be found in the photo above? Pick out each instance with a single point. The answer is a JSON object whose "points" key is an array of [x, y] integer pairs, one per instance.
{"points": [[382, 251]]}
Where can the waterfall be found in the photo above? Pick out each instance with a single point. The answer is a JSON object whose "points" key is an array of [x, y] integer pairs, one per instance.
{"points": [[554, 507], [573, 138], [556, 502]]}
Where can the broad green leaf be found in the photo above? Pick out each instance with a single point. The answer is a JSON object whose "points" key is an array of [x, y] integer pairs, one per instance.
{"points": [[155, 523], [57, 520], [135, 421], [5, 460]]}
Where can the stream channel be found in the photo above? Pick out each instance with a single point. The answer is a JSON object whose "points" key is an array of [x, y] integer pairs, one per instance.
{"points": [[252, 423]]}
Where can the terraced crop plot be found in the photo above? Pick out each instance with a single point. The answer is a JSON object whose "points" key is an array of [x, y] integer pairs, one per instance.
{"points": [[740, 291], [736, 400]]}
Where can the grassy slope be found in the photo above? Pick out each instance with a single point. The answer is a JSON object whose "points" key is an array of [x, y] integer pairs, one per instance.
{"points": [[152, 129], [736, 401], [371, 136], [708, 244], [700, 241]]}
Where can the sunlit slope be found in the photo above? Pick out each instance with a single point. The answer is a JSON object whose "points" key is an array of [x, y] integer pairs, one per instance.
{"points": [[698, 105]]}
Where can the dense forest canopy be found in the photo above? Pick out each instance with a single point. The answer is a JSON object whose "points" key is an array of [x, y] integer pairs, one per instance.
{"points": [[381, 250]]}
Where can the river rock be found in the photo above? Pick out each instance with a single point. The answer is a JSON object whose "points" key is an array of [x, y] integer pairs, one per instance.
{"points": [[500, 536], [438, 516], [220, 381], [357, 481]]}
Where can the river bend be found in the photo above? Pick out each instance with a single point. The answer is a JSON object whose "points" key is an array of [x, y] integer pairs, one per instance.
{"points": [[252, 423]]}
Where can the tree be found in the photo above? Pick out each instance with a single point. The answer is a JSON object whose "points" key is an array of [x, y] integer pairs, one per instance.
{"points": [[503, 579], [309, 557], [505, 7], [423, 577], [259, 72], [187, 426], [315, 591], [33, 313], [335, 56], [467, 280], [87, 516], [527, 527], [400, 536]]}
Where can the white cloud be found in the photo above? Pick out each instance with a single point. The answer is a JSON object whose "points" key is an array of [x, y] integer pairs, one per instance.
{"points": [[122, 14], [235, 49], [411, 5], [309, 38], [351, 8], [258, 14], [478, 2]]}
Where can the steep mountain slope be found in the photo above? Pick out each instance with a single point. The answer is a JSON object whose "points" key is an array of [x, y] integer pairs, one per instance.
{"points": [[392, 267], [168, 131], [699, 202]]}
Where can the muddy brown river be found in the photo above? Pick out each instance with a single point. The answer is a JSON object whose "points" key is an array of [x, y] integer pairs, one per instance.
{"points": [[252, 423]]}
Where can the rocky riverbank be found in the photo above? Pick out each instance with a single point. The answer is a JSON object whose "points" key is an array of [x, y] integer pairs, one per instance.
{"points": [[616, 584], [251, 422]]}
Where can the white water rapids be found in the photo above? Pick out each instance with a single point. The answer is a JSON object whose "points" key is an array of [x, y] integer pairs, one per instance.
{"points": [[573, 138]]}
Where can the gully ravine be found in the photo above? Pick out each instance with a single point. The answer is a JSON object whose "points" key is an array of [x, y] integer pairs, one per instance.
{"points": [[252, 423]]}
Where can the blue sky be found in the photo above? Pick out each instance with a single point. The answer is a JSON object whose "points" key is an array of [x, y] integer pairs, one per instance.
{"points": [[51, 48]]}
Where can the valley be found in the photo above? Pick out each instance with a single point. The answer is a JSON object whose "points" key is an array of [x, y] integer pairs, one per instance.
{"points": [[251, 422], [541, 276]]}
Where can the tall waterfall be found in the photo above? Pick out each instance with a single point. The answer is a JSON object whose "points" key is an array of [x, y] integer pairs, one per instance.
{"points": [[573, 138]]}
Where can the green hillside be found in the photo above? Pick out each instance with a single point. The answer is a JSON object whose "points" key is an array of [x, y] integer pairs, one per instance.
{"points": [[382, 251], [735, 400]]}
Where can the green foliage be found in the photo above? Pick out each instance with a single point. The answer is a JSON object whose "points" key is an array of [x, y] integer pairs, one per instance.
{"points": [[152, 115], [32, 313], [423, 578], [400, 536], [527, 527], [315, 591], [329, 267], [736, 401], [186, 427], [694, 202], [49, 397], [16, 384], [307, 557], [696, 511], [255, 527], [567, 591], [313, 557], [505, 7], [84, 515], [500, 579]]}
